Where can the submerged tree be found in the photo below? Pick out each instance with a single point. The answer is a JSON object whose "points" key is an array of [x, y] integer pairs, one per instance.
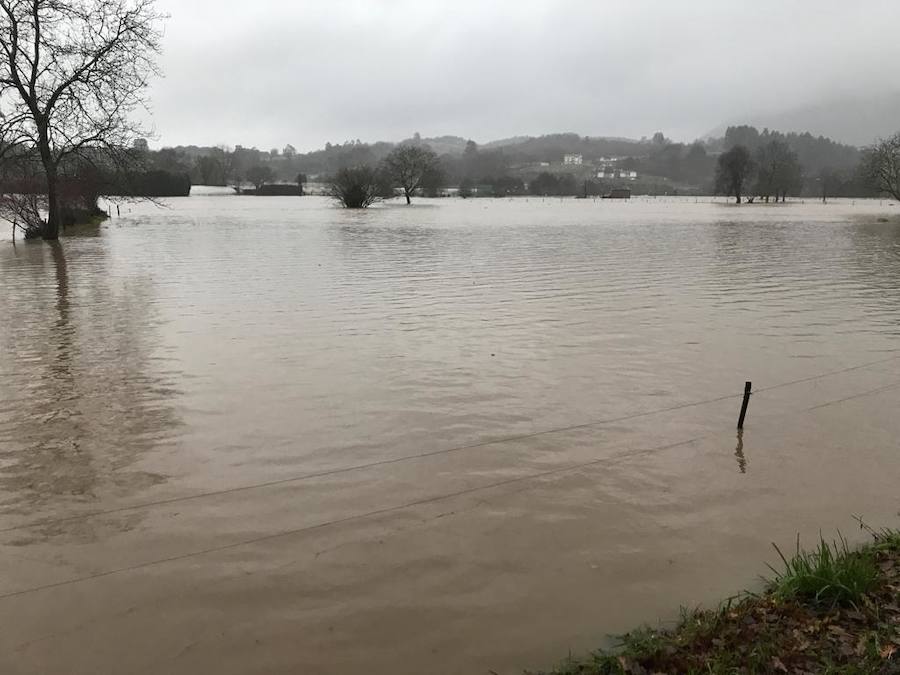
{"points": [[828, 182], [409, 164], [733, 171], [881, 166], [778, 170], [355, 187], [73, 72]]}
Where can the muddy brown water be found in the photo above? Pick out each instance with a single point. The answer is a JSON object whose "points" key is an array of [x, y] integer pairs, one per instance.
{"points": [[265, 435]]}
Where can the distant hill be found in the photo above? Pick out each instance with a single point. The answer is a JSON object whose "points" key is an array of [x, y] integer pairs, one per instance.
{"points": [[513, 140], [854, 120], [442, 145], [553, 147], [569, 142]]}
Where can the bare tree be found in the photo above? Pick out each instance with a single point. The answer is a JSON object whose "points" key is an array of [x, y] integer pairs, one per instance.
{"points": [[11, 137], [881, 166], [409, 164], [733, 171], [355, 187], [73, 71], [23, 211], [778, 170], [829, 181], [20, 200]]}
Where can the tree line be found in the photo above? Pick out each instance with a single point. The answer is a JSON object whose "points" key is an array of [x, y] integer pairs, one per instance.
{"points": [[764, 165], [508, 167], [768, 166]]}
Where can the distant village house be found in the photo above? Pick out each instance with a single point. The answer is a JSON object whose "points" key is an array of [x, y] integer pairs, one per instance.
{"points": [[622, 175]]}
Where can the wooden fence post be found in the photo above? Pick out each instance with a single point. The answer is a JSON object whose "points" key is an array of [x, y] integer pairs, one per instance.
{"points": [[747, 387]]}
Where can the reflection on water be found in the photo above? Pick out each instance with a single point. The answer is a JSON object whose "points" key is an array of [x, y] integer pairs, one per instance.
{"points": [[739, 452], [226, 362], [81, 400]]}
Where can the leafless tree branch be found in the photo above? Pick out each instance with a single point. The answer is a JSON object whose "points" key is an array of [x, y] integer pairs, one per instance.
{"points": [[72, 73]]}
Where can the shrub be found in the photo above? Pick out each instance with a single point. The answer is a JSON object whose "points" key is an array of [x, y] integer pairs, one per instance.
{"points": [[355, 187]]}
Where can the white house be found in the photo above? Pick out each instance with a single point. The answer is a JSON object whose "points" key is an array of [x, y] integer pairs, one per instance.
{"points": [[573, 159], [623, 175]]}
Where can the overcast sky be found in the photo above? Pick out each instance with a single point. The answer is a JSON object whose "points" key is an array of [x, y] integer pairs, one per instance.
{"points": [[271, 72]]}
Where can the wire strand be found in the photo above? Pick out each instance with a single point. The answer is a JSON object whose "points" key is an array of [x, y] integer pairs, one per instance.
{"points": [[435, 498], [406, 458], [338, 521]]}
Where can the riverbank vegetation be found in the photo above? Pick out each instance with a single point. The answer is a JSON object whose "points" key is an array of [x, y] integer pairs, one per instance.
{"points": [[833, 609]]}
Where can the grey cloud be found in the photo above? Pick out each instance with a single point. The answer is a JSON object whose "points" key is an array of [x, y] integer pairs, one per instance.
{"points": [[268, 72]]}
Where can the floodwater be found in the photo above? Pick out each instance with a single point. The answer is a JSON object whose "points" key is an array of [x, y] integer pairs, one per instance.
{"points": [[265, 435]]}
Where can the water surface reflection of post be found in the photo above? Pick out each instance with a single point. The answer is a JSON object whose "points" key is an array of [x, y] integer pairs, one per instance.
{"points": [[739, 452]]}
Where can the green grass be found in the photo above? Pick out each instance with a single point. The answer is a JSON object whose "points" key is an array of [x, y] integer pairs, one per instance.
{"points": [[831, 574], [834, 609]]}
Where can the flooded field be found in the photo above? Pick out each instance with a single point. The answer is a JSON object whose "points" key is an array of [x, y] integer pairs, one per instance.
{"points": [[265, 435]]}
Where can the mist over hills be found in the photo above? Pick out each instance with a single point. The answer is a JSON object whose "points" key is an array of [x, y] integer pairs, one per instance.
{"points": [[851, 119], [855, 120]]}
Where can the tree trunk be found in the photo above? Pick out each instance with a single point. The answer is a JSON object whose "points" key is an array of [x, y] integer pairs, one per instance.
{"points": [[50, 230], [408, 200]]}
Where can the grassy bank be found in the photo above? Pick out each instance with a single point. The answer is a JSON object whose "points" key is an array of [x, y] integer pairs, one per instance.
{"points": [[829, 610]]}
